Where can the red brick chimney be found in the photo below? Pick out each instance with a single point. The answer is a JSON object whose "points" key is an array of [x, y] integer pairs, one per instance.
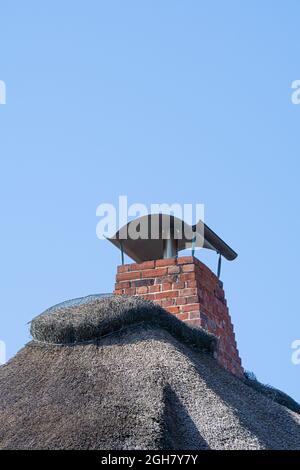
{"points": [[189, 290]]}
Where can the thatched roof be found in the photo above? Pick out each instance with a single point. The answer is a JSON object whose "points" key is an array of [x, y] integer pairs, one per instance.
{"points": [[135, 379]]}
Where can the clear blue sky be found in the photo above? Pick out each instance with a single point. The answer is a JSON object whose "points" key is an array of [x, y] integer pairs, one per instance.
{"points": [[164, 101]]}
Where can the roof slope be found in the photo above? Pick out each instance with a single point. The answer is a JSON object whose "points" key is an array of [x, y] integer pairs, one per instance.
{"points": [[141, 387]]}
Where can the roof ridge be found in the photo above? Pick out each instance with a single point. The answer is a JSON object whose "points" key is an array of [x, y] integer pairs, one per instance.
{"points": [[94, 320]]}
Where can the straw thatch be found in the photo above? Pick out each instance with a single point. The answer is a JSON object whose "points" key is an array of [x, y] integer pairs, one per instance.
{"points": [[95, 319], [141, 386], [271, 392]]}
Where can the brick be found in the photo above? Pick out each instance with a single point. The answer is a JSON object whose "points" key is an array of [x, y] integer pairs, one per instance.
{"points": [[158, 272], [153, 289], [178, 285], [174, 270], [166, 302], [192, 299], [165, 262], [166, 286], [173, 309], [123, 268], [148, 296], [128, 276], [142, 290], [187, 277], [118, 292], [142, 282], [171, 278], [166, 295], [185, 260], [199, 264], [191, 284], [183, 316], [122, 285], [130, 291], [141, 266], [194, 314], [190, 308], [181, 301], [187, 292], [187, 268]]}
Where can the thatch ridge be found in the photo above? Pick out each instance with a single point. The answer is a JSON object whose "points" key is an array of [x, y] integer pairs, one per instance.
{"points": [[100, 317]]}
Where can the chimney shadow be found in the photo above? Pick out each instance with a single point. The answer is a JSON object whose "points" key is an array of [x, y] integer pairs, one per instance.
{"points": [[179, 430], [269, 422], [241, 398]]}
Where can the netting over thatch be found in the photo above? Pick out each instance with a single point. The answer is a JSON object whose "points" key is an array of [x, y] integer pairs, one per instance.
{"points": [[74, 302], [96, 318]]}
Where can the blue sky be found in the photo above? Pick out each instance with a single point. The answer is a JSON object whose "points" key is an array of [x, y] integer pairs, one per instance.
{"points": [[162, 101]]}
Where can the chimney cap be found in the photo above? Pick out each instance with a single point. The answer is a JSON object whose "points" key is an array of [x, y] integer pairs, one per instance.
{"points": [[167, 227]]}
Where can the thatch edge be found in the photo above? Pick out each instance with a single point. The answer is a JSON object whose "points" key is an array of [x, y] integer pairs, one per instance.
{"points": [[272, 393]]}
